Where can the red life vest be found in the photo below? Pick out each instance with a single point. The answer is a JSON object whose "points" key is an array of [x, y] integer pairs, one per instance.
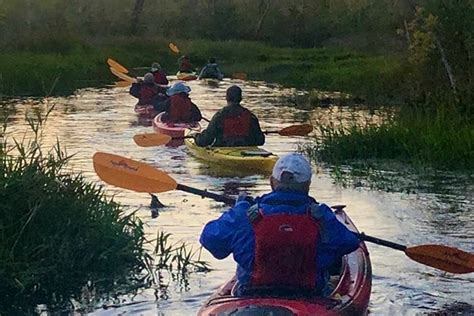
{"points": [[180, 110], [236, 125], [147, 93], [185, 66], [285, 251], [160, 77]]}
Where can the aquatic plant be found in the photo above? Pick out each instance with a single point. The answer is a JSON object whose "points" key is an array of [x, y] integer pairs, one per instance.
{"points": [[59, 234], [439, 136]]}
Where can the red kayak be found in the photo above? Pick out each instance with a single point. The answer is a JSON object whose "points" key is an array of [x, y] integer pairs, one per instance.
{"points": [[173, 129], [351, 294]]}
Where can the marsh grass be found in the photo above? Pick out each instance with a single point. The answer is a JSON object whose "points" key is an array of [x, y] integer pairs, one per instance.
{"points": [[440, 137], [79, 64], [63, 242]]}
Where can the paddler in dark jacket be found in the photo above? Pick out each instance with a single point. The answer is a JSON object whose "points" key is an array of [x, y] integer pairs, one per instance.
{"points": [[232, 126], [211, 70], [178, 107], [146, 90], [284, 242]]}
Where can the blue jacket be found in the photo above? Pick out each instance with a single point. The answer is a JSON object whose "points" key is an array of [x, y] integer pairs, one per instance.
{"points": [[232, 233], [211, 71]]}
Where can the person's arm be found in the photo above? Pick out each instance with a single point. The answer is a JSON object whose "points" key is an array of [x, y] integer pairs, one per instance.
{"points": [[203, 71], [135, 90], [207, 137], [220, 73], [257, 138], [218, 235], [161, 106], [165, 79], [336, 239], [196, 115]]}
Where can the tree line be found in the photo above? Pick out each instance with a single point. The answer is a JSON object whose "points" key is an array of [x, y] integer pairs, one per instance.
{"points": [[285, 22], [436, 36]]}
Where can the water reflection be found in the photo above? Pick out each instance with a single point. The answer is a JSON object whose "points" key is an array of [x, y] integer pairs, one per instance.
{"points": [[440, 210]]}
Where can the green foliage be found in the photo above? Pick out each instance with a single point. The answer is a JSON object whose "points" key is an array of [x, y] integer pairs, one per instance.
{"points": [[50, 74], [442, 138], [327, 69], [177, 256], [442, 45], [63, 241], [282, 23], [59, 235]]}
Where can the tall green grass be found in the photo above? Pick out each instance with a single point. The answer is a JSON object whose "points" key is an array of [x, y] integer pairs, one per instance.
{"points": [[441, 137], [63, 241], [40, 69], [59, 234]]}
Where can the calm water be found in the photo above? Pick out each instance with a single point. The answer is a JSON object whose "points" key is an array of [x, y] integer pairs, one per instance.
{"points": [[103, 120]]}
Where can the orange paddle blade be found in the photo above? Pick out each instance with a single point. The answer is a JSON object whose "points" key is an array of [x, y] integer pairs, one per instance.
{"points": [[296, 130], [153, 139], [122, 75], [113, 64], [442, 257], [121, 84], [174, 48], [132, 175]]}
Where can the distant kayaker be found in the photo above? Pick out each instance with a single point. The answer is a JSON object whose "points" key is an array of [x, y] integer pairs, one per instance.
{"points": [[178, 107], [232, 126], [211, 70], [159, 74], [185, 64], [146, 90], [284, 242]]}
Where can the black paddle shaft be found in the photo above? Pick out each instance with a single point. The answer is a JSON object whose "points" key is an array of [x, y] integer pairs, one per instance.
{"points": [[204, 193], [382, 242]]}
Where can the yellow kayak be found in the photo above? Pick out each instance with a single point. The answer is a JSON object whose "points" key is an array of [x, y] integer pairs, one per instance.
{"points": [[186, 76], [249, 158]]}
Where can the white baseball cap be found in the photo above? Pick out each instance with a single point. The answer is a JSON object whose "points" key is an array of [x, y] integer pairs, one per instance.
{"points": [[295, 164]]}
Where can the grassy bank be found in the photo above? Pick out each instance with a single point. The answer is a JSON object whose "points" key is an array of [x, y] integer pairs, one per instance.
{"points": [[63, 242], [51, 68], [61, 239], [442, 138]]}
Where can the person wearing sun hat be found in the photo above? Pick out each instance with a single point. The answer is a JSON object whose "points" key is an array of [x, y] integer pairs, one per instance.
{"points": [[159, 74], [284, 242], [178, 107]]}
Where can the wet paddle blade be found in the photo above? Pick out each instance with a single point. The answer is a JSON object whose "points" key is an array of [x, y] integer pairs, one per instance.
{"points": [[121, 84], [442, 257], [296, 130], [174, 48], [132, 175], [122, 76], [113, 64], [153, 139]]}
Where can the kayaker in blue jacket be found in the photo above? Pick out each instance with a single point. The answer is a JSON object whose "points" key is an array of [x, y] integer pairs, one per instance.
{"points": [[284, 242], [211, 70]]}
